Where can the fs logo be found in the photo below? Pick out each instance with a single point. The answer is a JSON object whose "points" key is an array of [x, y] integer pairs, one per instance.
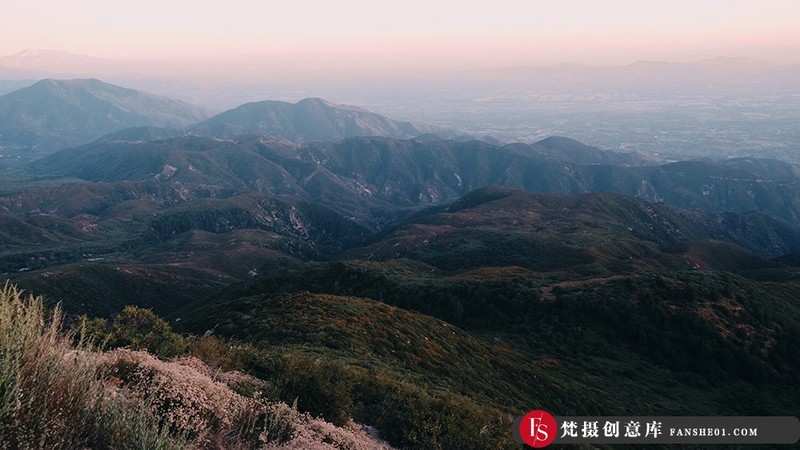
{"points": [[538, 428]]}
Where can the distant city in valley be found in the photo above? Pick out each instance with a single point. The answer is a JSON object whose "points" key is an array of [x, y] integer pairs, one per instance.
{"points": [[714, 108]]}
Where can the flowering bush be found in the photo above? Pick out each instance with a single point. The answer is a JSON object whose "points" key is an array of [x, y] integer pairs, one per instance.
{"points": [[57, 392], [191, 398]]}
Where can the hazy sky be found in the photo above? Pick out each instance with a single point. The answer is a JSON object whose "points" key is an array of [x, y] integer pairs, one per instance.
{"points": [[404, 34]]}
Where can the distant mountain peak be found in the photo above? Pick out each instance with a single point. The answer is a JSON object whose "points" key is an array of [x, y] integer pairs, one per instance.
{"points": [[33, 58], [39, 63], [53, 114], [316, 101], [85, 83], [29, 53], [310, 119]]}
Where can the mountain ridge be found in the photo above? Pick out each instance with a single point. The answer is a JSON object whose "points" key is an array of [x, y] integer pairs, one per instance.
{"points": [[411, 172], [55, 114], [310, 119], [590, 232]]}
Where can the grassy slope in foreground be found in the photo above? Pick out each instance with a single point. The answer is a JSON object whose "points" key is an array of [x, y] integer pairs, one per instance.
{"points": [[56, 394]]}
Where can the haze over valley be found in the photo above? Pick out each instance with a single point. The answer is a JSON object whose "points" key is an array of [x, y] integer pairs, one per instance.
{"points": [[715, 107], [349, 227]]}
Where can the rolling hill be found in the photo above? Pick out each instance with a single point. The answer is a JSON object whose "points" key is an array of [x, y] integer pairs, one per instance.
{"points": [[395, 340], [587, 233], [362, 172], [592, 303]]}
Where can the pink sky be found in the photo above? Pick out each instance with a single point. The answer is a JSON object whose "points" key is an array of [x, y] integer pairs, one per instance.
{"points": [[363, 34]]}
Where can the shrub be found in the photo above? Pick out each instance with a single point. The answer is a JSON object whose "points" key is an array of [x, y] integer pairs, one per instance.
{"points": [[320, 387], [214, 352], [413, 417], [142, 329]]}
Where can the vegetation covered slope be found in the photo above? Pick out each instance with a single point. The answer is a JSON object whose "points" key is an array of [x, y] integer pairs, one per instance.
{"points": [[589, 233], [56, 394], [411, 172], [677, 343], [593, 338]]}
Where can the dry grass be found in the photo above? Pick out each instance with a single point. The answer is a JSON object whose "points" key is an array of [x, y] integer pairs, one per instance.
{"points": [[52, 390], [57, 392], [44, 391]]}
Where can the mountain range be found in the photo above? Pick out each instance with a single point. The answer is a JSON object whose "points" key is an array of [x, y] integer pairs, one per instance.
{"points": [[41, 63], [409, 172], [55, 114], [730, 71], [428, 285]]}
